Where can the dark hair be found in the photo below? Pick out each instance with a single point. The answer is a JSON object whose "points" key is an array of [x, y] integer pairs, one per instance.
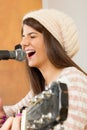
{"points": [[56, 54]]}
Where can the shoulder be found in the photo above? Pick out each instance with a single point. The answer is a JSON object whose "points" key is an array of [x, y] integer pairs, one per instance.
{"points": [[73, 71], [74, 74], [73, 77]]}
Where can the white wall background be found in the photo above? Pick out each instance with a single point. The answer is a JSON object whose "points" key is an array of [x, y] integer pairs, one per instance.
{"points": [[77, 9]]}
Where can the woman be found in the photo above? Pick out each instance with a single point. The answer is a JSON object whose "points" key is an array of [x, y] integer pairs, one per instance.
{"points": [[50, 40]]}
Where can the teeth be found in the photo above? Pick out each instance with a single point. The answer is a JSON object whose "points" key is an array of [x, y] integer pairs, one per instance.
{"points": [[29, 51]]}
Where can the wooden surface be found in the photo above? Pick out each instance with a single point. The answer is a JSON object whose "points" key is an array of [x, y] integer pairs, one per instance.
{"points": [[14, 84]]}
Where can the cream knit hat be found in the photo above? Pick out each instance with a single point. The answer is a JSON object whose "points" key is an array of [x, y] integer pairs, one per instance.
{"points": [[60, 25]]}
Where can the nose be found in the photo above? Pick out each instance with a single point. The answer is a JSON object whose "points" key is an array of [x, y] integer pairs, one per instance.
{"points": [[24, 42]]}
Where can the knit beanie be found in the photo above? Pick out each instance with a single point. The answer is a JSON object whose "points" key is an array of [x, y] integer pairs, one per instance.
{"points": [[60, 25]]}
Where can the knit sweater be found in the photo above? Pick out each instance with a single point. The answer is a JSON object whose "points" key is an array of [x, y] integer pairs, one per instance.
{"points": [[77, 90]]}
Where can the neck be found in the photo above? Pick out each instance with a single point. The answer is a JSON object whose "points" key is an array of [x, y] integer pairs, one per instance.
{"points": [[50, 73]]}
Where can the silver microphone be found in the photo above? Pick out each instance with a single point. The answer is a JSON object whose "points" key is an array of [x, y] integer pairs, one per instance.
{"points": [[17, 54]]}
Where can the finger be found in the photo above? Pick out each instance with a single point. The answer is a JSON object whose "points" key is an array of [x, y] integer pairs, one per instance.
{"points": [[16, 123], [8, 124]]}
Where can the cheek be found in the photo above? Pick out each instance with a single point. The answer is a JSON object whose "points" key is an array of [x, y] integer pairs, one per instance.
{"points": [[42, 52], [41, 44], [42, 49]]}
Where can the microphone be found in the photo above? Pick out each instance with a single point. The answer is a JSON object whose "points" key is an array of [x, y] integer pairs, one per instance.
{"points": [[17, 54]]}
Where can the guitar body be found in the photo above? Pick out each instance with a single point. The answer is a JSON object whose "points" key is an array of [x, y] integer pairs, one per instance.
{"points": [[46, 108]]}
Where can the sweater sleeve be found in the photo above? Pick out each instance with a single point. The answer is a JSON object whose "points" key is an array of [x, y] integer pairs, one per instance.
{"points": [[11, 110], [77, 111]]}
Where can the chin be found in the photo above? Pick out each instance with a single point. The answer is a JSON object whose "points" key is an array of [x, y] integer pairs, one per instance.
{"points": [[31, 64]]}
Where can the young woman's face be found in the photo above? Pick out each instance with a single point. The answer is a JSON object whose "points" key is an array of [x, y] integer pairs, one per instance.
{"points": [[33, 44]]}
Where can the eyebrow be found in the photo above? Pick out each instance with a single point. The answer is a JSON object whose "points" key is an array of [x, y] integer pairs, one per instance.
{"points": [[30, 33]]}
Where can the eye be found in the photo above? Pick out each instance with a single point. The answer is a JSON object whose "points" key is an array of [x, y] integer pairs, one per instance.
{"points": [[32, 36]]}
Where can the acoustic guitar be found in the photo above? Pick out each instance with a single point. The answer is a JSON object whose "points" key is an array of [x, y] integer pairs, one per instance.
{"points": [[47, 109]]}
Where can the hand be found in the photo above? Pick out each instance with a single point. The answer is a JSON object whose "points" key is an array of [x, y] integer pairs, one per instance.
{"points": [[12, 123], [2, 113]]}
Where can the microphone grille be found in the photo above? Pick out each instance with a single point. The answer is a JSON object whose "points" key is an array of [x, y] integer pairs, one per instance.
{"points": [[20, 54]]}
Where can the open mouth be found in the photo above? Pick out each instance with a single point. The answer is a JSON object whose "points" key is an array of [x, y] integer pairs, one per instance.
{"points": [[30, 53]]}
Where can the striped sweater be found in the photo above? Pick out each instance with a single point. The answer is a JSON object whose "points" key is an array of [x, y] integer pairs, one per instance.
{"points": [[77, 90]]}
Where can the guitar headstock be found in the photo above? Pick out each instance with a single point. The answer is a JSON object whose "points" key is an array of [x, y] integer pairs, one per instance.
{"points": [[46, 108]]}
